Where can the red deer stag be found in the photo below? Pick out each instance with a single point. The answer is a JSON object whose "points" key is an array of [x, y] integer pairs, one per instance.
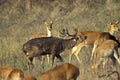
{"points": [[65, 71], [103, 52], [4, 72], [91, 37], [49, 45]]}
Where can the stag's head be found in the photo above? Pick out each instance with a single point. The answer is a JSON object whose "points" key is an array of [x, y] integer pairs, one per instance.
{"points": [[65, 32]]}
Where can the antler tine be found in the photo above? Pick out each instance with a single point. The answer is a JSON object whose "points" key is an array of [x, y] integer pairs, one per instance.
{"points": [[76, 30], [62, 31], [68, 33], [65, 32]]}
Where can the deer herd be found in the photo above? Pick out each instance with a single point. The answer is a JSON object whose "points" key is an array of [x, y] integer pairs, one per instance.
{"points": [[105, 45]]}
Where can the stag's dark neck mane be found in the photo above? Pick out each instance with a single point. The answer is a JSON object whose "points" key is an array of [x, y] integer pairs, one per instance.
{"points": [[66, 43], [69, 43]]}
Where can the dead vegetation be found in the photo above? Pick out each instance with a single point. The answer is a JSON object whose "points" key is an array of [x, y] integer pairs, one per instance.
{"points": [[19, 19]]}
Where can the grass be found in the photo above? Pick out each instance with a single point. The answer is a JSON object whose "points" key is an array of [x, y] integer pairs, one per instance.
{"points": [[17, 25]]}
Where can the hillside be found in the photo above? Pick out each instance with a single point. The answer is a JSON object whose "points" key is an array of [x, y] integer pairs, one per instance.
{"points": [[19, 19]]}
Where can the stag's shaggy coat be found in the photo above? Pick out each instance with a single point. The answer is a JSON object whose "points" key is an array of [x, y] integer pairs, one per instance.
{"points": [[65, 71]]}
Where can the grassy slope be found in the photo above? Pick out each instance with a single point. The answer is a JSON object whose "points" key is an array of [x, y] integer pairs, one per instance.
{"points": [[19, 20]]}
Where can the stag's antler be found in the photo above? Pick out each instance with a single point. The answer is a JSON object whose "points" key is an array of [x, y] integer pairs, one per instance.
{"points": [[65, 32]]}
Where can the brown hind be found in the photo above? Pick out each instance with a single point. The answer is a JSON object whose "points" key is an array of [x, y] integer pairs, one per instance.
{"points": [[4, 72], [103, 52], [29, 77], [16, 74], [65, 71]]}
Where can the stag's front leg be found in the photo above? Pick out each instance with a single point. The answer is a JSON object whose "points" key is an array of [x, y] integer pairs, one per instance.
{"points": [[48, 58], [29, 63], [52, 58], [59, 57]]}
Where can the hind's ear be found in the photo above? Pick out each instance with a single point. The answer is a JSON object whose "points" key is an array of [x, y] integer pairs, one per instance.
{"points": [[116, 22]]}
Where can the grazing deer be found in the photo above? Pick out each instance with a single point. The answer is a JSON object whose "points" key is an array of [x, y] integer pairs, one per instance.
{"points": [[16, 74], [49, 45], [65, 71], [100, 39], [29, 77], [91, 37], [103, 52], [49, 34], [4, 72]]}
